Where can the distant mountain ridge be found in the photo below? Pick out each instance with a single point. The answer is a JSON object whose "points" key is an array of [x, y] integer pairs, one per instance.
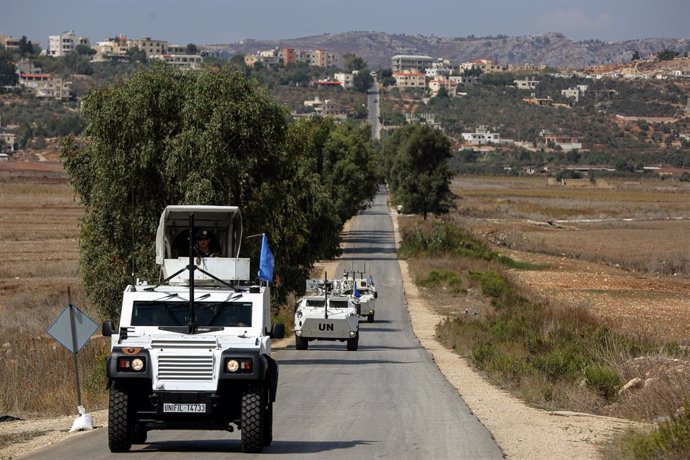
{"points": [[551, 49]]}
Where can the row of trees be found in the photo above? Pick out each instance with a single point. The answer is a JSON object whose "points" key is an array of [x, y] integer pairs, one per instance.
{"points": [[210, 137]]}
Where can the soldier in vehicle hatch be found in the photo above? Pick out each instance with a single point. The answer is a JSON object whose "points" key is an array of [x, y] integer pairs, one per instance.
{"points": [[202, 246]]}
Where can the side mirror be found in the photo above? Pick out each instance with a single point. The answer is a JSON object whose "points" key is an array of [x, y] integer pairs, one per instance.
{"points": [[107, 328], [278, 331], [376, 295]]}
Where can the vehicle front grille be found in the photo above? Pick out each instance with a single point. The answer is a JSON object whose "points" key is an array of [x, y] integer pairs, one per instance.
{"points": [[185, 367]]}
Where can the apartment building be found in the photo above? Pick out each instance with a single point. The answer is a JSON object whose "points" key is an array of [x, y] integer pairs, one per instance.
{"points": [[9, 43], [111, 48], [289, 56], [65, 43], [183, 61], [402, 62], [409, 79], [323, 58], [45, 85], [149, 46]]}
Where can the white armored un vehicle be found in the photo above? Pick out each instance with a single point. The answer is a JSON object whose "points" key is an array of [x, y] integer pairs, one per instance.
{"points": [[194, 351], [363, 291], [320, 316]]}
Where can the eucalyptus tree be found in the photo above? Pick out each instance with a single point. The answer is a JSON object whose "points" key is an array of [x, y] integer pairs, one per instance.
{"points": [[212, 137], [163, 137], [419, 173]]}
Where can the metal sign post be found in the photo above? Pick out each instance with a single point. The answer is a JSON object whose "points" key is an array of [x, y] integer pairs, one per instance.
{"points": [[72, 329]]}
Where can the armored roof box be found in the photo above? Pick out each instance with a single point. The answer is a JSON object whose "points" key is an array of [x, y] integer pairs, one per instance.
{"points": [[224, 227]]}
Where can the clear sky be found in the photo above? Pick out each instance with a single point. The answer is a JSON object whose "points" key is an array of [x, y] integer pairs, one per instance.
{"points": [[225, 21]]}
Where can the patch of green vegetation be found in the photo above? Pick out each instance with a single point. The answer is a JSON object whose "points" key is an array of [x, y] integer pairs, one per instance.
{"points": [[670, 441], [445, 238], [443, 278], [518, 265], [603, 379]]}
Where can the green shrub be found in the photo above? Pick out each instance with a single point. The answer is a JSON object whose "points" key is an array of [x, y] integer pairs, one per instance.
{"points": [[493, 284], [443, 278], [670, 440], [483, 353], [561, 363], [603, 379]]}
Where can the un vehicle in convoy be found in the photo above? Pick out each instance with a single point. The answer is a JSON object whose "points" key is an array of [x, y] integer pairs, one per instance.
{"points": [[320, 316], [362, 290], [194, 351]]}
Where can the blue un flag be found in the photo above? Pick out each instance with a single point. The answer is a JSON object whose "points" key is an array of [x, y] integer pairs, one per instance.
{"points": [[266, 261]]}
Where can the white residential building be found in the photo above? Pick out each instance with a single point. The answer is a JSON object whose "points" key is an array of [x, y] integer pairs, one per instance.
{"points": [[528, 83], [65, 43], [184, 61], [571, 93], [323, 107], [347, 80], [451, 86], [481, 136], [10, 142]]}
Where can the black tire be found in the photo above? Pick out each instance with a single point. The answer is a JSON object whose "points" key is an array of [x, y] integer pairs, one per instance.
{"points": [[139, 435], [301, 343], [353, 343], [252, 420], [370, 318], [268, 425], [120, 423]]}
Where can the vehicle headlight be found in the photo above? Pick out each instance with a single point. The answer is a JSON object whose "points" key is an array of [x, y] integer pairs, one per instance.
{"points": [[127, 364], [137, 364], [353, 333], [232, 365], [299, 333], [299, 314], [239, 365]]}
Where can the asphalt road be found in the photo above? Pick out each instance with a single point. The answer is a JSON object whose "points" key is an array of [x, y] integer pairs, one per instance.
{"points": [[386, 400]]}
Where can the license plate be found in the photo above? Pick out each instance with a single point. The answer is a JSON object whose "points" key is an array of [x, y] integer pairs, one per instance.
{"points": [[184, 408]]}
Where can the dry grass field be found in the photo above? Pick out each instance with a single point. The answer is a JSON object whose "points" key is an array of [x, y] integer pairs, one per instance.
{"points": [[623, 252], [39, 245]]}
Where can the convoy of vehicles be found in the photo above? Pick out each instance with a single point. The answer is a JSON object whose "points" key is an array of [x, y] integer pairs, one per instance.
{"points": [[323, 314]]}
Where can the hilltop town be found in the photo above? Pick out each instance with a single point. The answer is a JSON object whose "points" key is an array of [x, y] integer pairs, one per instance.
{"points": [[545, 109]]}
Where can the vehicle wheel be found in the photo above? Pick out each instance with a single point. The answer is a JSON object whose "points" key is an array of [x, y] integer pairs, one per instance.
{"points": [[301, 343], [252, 420], [353, 343], [370, 318], [268, 425], [139, 435], [120, 423]]}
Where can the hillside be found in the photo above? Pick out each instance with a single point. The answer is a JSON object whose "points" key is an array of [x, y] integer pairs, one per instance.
{"points": [[552, 49]]}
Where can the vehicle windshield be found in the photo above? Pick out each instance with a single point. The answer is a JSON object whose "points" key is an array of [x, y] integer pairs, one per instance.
{"points": [[220, 314], [315, 302], [338, 303]]}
